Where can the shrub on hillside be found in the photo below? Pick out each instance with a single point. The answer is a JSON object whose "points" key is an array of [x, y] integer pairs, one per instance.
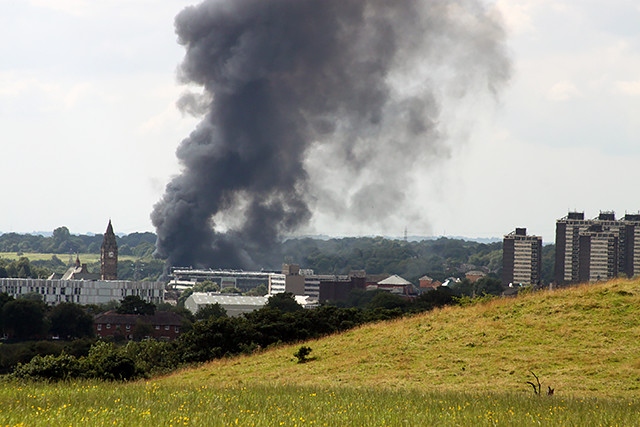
{"points": [[50, 367], [152, 357], [107, 362], [303, 354]]}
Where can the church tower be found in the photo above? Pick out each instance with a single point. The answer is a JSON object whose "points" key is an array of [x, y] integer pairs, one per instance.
{"points": [[109, 255]]}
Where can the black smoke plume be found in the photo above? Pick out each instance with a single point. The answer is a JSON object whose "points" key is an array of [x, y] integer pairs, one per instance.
{"points": [[302, 93]]}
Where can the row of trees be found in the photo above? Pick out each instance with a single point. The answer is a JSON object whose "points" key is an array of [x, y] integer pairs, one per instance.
{"points": [[439, 258], [29, 318], [62, 241], [23, 268], [213, 335], [30, 328]]}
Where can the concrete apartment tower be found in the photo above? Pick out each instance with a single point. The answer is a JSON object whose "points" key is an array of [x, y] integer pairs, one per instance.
{"points": [[521, 258], [588, 250], [567, 247], [109, 255], [598, 253]]}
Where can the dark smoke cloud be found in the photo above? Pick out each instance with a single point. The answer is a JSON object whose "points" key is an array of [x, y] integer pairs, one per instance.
{"points": [[288, 84]]}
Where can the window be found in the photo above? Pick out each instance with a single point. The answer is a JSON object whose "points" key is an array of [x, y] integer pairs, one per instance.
{"points": [[99, 326], [128, 327], [166, 327], [177, 329], [158, 327], [108, 325]]}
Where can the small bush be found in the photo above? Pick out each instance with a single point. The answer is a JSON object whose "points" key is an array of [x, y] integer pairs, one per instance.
{"points": [[107, 362], [49, 367], [303, 354]]}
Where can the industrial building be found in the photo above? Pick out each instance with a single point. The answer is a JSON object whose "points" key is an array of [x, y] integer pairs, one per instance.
{"points": [[300, 282], [186, 277], [235, 305]]}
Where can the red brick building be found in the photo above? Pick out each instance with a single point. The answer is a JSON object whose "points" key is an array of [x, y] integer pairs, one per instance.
{"points": [[428, 283], [475, 275], [163, 325]]}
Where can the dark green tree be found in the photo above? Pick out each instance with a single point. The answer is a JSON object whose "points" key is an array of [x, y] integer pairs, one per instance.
{"points": [[24, 319], [488, 286], [133, 304], [205, 286], [61, 234], [303, 354], [70, 321], [259, 291], [4, 298], [22, 268], [463, 288], [284, 302], [142, 330], [107, 362], [387, 300], [210, 311]]}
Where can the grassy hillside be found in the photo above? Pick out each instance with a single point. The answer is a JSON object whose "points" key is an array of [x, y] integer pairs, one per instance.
{"points": [[451, 367], [581, 341]]}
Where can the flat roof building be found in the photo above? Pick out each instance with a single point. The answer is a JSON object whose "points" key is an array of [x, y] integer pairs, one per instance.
{"points": [[601, 248], [521, 258], [234, 305], [83, 292]]}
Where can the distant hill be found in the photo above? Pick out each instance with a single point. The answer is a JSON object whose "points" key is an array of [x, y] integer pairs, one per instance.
{"points": [[411, 238], [437, 257], [581, 341]]}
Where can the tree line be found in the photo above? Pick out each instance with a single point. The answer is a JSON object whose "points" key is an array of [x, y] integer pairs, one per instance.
{"points": [[438, 258], [23, 268], [61, 241], [212, 334]]}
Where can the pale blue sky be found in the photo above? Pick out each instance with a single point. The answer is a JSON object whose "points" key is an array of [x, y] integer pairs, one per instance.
{"points": [[88, 123]]}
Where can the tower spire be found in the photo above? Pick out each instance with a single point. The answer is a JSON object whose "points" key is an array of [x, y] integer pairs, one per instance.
{"points": [[109, 255]]}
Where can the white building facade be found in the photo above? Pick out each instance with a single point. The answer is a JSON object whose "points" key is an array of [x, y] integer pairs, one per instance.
{"points": [[83, 292]]}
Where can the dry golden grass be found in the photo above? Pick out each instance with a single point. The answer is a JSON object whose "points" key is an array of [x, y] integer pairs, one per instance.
{"points": [[582, 341]]}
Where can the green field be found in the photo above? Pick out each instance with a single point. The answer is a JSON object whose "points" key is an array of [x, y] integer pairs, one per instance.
{"points": [[160, 404], [463, 366]]}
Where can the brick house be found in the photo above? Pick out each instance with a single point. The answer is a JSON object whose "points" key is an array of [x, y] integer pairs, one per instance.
{"points": [[394, 284], [163, 325], [475, 275], [428, 283]]}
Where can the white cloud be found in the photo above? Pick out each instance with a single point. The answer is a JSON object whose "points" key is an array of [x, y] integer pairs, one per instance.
{"points": [[91, 84], [563, 91], [516, 15], [631, 88], [71, 7]]}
